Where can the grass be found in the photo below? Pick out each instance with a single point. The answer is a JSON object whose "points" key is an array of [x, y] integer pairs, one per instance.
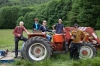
{"points": [[7, 42]]}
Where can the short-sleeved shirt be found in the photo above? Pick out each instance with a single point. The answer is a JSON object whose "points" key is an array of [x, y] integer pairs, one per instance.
{"points": [[59, 28]]}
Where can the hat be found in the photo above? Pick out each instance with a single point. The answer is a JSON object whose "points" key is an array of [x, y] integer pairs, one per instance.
{"points": [[36, 19], [75, 25]]}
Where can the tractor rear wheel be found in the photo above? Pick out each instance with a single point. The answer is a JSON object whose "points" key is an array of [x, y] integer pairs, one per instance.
{"points": [[37, 48], [87, 50]]}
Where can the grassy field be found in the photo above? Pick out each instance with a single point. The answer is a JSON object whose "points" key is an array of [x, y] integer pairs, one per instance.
{"points": [[7, 42]]}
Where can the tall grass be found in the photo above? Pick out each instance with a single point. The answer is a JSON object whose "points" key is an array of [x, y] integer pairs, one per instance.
{"points": [[7, 41]]}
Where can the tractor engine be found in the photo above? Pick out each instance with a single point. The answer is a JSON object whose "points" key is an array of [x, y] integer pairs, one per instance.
{"points": [[58, 42]]}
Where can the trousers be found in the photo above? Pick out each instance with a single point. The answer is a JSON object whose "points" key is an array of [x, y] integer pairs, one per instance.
{"points": [[74, 50], [16, 43]]}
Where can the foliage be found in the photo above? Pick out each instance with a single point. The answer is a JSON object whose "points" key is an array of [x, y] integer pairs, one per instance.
{"points": [[83, 12], [9, 16], [20, 2], [52, 11]]}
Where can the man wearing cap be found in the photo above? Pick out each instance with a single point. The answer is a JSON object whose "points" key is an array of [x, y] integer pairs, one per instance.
{"points": [[45, 29], [18, 33], [77, 41], [59, 27], [36, 25]]}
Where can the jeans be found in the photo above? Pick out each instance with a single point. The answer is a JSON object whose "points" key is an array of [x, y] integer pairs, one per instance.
{"points": [[48, 37], [16, 43], [74, 50]]}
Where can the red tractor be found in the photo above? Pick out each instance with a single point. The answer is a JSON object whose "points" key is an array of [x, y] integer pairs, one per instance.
{"points": [[37, 47]]}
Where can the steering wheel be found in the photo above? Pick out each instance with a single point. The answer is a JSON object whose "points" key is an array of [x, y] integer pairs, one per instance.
{"points": [[50, 33]]}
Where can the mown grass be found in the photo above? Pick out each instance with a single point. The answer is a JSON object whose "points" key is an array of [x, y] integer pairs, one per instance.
{"points": [[7, 42]]}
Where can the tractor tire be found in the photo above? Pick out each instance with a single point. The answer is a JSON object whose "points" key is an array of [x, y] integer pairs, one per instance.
{"points": [[37, 48], [87, 50]]}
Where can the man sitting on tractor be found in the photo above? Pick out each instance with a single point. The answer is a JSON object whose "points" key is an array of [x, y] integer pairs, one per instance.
{"points": [[76, 42], [45, 29]]}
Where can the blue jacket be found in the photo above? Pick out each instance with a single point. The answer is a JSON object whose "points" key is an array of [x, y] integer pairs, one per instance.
{"points": [[44, 29], [38, 26]]}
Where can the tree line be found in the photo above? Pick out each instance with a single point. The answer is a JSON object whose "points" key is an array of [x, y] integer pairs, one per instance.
{"points": [[83, 12]]}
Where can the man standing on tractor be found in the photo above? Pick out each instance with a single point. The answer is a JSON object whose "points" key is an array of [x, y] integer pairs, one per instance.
{"points": [[36, 25], [59, 27], [18, 32], [77, 41], [45, 29]]}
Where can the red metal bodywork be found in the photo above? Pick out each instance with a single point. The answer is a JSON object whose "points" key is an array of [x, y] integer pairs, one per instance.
{"points": [[87, 30], [36, 34], [66, 37]]}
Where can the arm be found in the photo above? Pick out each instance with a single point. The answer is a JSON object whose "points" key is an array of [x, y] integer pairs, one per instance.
{"points": [[64, 29], [72, 37], [84, 36], [25, 30], [54, 26], [34, 26], [40, 28], [49, 30]]}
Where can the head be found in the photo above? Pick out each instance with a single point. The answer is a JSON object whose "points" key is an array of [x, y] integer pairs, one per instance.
{"points": [[36, 20], [76, 26], [21, 23], [60, 21], [44, 23]]}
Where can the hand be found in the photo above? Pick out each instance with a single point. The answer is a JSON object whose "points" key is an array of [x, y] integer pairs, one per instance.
{"points": [[81, 41], [44, 32], [53, 30], [72, 37], [19, 35], [27, 32]]}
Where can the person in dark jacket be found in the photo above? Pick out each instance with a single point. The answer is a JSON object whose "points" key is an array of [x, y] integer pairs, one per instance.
{"points": [[45, 29], [18, 33], [36, 25]]}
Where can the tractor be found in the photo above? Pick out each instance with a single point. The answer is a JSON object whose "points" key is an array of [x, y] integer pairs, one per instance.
{"points": [[38, 48]]}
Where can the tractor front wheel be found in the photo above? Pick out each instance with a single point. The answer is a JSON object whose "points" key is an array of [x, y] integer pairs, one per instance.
{"points": [[37, 48]]}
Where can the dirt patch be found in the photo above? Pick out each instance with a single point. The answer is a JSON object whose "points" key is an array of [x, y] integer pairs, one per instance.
{"points": [[3, 65]]}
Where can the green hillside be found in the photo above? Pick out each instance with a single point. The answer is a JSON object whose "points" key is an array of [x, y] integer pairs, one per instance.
{"points": [[83, 12]]}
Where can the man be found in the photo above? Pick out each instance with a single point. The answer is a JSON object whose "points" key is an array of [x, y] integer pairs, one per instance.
{"points": [[76, 42], [59, 27], [18, 32], [45, 29], [36, 25]]}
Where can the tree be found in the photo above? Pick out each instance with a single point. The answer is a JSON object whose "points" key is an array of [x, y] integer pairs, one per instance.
{"points": [[9, 16]]}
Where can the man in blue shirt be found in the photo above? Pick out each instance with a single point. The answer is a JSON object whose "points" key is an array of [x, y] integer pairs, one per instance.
{"points": [[59, 27]]}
